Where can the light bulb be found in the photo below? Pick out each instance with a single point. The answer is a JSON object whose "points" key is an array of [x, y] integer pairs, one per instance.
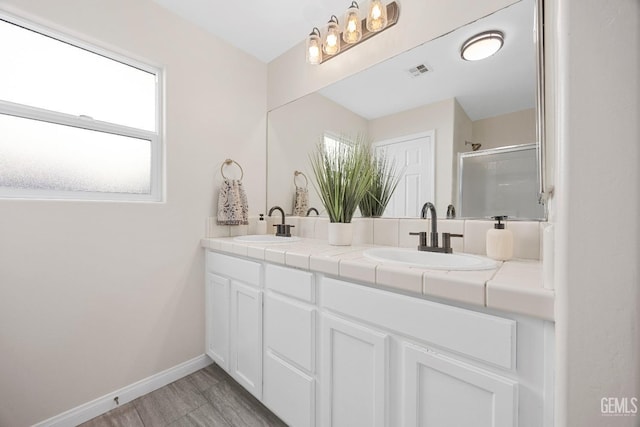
{"points": [[352, 32], [314, 53], [375, 12], [331, 45], [377, 16]]}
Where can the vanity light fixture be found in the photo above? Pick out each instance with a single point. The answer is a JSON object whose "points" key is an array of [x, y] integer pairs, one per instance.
{"points": [[314, 47], [377, 16], [354, 31], [331, 45], [482, 45]]}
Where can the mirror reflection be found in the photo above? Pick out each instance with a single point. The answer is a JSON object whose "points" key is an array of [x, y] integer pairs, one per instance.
{"points": [[422, 108]]}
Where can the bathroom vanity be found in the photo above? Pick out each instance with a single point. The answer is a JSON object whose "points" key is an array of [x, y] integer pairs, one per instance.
{"points": [[325, 337]]}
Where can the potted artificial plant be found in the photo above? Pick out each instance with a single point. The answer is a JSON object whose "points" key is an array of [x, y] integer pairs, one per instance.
{"points": [[384, 181], [343, 175]]}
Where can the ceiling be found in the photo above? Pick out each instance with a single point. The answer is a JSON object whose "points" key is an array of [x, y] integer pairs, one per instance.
{"points": [[263, 28], [500, 84]]}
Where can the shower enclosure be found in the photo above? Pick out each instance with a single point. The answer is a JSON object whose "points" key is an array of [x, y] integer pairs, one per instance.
{"points": [[500, 181]]}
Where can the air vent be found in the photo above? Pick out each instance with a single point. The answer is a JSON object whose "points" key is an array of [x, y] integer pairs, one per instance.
{"points": [[418, 70]]}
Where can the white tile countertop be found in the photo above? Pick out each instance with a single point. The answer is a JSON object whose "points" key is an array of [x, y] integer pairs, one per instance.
{"points": [[515, 286]]}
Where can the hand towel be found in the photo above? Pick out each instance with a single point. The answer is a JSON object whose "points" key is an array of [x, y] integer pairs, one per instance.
{"points": [[232, 203], [301, 202]]}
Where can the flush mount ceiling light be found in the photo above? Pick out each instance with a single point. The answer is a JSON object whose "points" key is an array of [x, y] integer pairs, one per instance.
{"points": [[482, 45], [355, 30]]}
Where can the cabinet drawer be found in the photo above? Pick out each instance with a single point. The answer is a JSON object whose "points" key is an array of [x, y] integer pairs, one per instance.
{"points": [[481, 336], [294, 283], [288, 392], [289, 330], [235, 268]]}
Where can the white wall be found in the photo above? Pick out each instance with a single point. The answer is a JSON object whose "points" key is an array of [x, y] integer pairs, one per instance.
{"points": [[597, 207], [294, 131], [514, 128], [96, 296]]}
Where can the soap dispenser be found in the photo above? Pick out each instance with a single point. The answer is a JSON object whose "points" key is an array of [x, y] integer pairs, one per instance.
{"points": [[499, 241], [261, 228]]}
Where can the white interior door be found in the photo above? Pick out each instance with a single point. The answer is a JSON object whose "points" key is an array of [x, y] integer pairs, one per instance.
{"points": [[414, 154]]}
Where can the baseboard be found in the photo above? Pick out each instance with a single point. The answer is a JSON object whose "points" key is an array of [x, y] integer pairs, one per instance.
{"points": [[103, 404]]}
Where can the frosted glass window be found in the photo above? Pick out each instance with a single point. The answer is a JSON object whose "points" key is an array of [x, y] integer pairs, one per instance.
{"points": [[76, 121], [37, 155], [40, 71]]}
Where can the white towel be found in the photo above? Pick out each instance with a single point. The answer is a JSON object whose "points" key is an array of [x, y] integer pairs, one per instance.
{"points": [[301, 202], [232, 203]]}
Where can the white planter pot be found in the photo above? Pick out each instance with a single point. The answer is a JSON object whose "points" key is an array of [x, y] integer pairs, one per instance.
{"points": [[340, 233]]}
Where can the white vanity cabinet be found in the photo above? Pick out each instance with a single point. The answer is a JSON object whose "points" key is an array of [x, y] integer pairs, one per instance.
{"points": [[389, 359], [290, 344], [234, 318], [324, 352]]}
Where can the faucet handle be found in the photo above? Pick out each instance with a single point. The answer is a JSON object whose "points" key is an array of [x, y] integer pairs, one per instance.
{"points": [[283, 230], [423, 239], [446, 241]]}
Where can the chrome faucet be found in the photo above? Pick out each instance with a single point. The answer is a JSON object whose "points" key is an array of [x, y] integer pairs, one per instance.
{"points": [[433, 238], [282, 229], [313, 210]]}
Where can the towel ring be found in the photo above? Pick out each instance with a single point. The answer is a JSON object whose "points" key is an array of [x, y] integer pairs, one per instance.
{"points": [[227, 163], [295, 175]]}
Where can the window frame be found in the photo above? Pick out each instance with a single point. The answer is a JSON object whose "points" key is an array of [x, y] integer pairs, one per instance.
{"points": [[155, 138]]}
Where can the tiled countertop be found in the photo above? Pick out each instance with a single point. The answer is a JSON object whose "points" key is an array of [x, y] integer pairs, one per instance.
{"points": [[515, 286]]}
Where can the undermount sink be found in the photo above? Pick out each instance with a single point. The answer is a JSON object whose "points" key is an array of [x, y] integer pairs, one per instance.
{"points": [[431, 260], [265, 238]]}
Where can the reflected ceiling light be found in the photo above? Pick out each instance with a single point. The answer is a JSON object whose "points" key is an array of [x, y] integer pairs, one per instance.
{"points": [[377, 16], [352, 30], [331, 44], [482, 45], [314, 47]]}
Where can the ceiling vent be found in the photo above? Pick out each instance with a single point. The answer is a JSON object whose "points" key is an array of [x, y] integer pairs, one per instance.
{"points": [[418, 70]]}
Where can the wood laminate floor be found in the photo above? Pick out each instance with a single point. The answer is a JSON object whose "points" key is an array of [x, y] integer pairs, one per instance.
{"points": [[208, 397]]}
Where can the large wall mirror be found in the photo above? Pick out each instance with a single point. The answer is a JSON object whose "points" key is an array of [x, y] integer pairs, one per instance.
{"points": [[426, 106]]}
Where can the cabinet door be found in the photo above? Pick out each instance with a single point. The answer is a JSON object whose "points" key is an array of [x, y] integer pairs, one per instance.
{"points": [[246, 337], [354, 365], [217, 319], [441, 391], [289, 392]]}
